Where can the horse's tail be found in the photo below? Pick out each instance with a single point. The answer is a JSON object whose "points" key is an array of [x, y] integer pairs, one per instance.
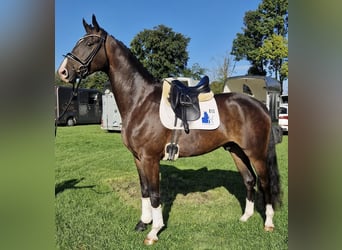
{"points": [[273, 171]]}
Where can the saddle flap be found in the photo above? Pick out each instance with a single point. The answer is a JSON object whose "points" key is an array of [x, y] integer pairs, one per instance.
{"points": [[184, 102]]}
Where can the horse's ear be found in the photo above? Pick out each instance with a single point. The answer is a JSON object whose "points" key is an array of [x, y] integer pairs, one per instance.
{"points": [[95, 24], [86, 26]]}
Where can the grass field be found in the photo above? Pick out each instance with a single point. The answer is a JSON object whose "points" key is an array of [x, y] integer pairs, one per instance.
{"points": [[97, 198]]}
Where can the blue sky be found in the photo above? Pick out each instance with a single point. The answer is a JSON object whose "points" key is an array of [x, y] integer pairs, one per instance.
{"points": [[210, 24]]}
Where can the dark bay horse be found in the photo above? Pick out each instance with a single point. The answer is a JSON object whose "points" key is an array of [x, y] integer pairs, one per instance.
{"points": [[245, 128]]}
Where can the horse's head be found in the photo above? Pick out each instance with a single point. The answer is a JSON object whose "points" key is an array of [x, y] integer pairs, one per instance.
{"points": [[88, 55]]}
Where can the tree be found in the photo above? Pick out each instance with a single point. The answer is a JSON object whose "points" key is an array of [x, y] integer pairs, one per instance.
{"points": [[264, 34], [275, 50], [58, 80], [93, 81], [196, 72], [225, 68], [274, 17], [246, 44], [284, 71], [217, 87], [162, 51]]}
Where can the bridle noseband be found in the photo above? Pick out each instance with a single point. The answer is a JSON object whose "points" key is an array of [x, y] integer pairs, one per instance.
{"points": [[84, 67]]}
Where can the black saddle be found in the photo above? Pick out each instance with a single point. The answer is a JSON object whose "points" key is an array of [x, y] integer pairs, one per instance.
{"points": [[184, 100]]}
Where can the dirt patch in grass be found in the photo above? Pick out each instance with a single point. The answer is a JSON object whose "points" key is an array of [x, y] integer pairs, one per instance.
{"points": [[181, 188], [128, 190]]}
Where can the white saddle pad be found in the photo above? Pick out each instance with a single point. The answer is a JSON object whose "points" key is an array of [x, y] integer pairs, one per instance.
{"points": [[208, 120]]}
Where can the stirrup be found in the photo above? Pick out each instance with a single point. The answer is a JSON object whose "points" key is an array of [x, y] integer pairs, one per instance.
{"points": [[171, 152]]}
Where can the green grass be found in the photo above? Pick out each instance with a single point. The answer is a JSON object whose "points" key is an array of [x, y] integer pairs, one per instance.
{"points": [[98, 198]]}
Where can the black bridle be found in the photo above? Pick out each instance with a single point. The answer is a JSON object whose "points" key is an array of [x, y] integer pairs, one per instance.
{"points": [[82, 71], [84, 67]]}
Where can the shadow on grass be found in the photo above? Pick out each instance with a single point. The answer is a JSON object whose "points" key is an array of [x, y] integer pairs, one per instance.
{"points": [[185, 181], [69, 184]]}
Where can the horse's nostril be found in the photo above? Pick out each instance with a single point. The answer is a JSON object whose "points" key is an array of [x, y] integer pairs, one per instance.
{"points": [[63, 72]]}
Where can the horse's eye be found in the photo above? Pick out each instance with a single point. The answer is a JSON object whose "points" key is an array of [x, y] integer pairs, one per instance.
{"points": [[89, 44]]}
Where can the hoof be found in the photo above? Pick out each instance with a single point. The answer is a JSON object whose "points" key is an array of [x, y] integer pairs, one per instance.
{"points": [[141, 226], [149, 242], [244, 217], [268, 229]]}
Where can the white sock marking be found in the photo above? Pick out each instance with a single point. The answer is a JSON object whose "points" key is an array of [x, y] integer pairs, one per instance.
{"points": [[146, 210], [249, 210], [158, 223], [269, 216]]}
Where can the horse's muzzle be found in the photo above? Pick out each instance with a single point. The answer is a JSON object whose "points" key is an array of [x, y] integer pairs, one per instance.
{"points": [[64, 74]]}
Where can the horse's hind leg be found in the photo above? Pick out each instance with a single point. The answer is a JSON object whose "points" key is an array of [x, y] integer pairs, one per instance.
{"points": [[243, 165], [262, 171], [266, 167]]}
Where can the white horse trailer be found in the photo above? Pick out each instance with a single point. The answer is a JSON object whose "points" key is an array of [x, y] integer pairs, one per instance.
{"points": [[111, 118], [263, 88]]}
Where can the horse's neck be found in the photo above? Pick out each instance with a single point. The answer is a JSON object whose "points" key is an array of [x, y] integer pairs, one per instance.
{"points": [[130, 83]]}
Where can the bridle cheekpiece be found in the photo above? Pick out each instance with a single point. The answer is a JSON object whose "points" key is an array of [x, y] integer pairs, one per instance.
{"points": [[84, 68]]}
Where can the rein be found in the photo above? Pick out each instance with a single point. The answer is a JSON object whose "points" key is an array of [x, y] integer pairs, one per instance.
{"points": [[73, 93]]}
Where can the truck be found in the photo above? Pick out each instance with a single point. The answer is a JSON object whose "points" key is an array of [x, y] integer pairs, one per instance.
{"points": [[85, 107]]}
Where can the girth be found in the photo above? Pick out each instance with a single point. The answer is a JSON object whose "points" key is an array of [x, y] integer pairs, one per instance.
{"points": [[184, 100]]}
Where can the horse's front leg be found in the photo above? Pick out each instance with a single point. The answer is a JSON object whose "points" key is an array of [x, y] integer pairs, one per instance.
{"points": [[148, 170], [146, 209]]}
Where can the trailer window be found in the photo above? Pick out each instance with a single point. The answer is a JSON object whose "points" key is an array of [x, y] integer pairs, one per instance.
{"points": [[83, 97], [92, 98], [247, 90]]}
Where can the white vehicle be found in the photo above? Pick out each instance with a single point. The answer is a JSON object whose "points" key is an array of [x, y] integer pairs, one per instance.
{"points": [[111, 118], [284, 113], [284, 117]]}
